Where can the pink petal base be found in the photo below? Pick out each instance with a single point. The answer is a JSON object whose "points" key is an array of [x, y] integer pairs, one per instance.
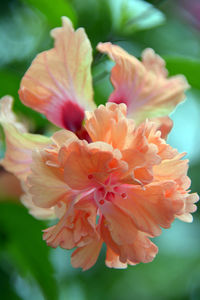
{"points": [[72, 116]]}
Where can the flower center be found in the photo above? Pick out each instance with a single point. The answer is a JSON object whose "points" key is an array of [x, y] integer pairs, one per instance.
{"points": [[108, 192]]}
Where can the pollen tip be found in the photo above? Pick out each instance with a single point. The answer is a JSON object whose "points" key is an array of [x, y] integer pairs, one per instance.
{"points": [[124, 195], [101, 189]]}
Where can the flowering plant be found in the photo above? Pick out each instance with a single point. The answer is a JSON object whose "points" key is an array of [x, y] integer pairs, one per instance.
{"points": [[108, 176]]}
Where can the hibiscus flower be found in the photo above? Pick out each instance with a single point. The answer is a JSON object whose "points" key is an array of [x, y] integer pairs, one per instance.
{"points": [[108, 176]]}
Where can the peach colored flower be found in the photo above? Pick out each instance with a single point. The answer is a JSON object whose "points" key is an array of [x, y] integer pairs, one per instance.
{"points": [[59, 85], [114, 180], [143, 86], [120, 189]]}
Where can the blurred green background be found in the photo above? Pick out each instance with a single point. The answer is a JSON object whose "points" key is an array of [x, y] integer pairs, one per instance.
{"points": [[28, 268]]}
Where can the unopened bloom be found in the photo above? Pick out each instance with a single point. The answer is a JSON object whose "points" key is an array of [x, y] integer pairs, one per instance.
{"points": [[106, 178]]}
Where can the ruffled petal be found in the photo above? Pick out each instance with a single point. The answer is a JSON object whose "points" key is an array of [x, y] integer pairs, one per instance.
{"points": [[62, 238], [58, 83], [154, 63], [34, 210], [189, 207], [108, 124], [151, 207], [153, 136], [173, 169], [112, 260], [19, 143], [121, 227], [85, 164], [62, 137], [47, 185], [77, 226], [132, 251], [85, 257], [143, 86], [142, 250], [141, 147], [164, 124]]}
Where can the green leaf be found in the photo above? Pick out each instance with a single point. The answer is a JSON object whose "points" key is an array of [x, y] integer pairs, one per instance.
{"points": [[10, 82], [54, 10], [188, 67], [134, 15], [21, 31], [168, 39], [95, 17], [23, 243], [102, 84], [7, 291], [194, 175]]}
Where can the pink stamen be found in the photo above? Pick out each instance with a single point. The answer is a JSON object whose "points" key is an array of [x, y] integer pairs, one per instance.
{"points": [[124, 195], [101, 202], [110, 196]]}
